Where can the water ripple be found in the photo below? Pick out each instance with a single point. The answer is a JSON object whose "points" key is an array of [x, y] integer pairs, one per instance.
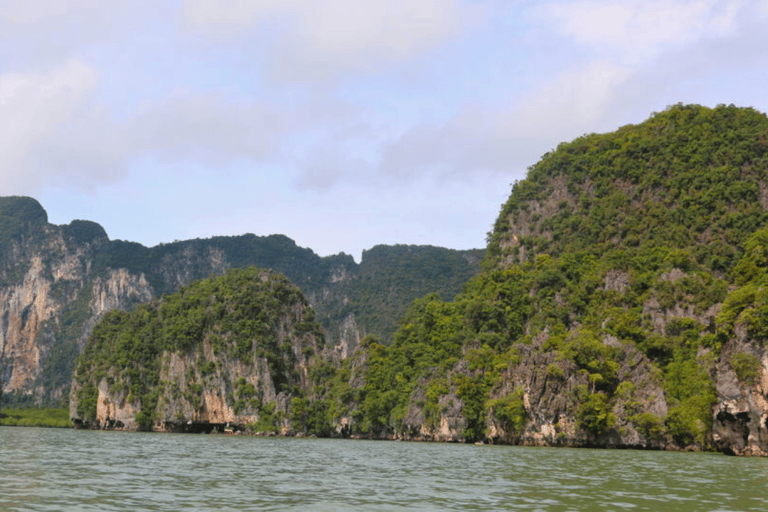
{"points": [[61, 470]]}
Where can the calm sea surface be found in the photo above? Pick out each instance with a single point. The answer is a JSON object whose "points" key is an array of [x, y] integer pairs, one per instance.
{"points": [[56, 469]]}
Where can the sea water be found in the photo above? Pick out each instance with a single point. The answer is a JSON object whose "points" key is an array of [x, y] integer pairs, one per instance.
{"points": [[63, 469]]}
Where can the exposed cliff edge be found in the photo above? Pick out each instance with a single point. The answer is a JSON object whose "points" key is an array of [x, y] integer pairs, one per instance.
{"points": [[47, 279], [230, 352], [57, 281]]}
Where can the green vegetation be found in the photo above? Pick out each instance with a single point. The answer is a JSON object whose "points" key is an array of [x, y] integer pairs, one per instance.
{"points": [[648, 424], [510, 411], [615, 275], [692, 396], [686, 179], [84, 231], [246, 315], [275, 252], [377, 291], [393, 276], [669, 209], [746, 367], [594, 414], [33, 417], [428, 339], [615, 247], [20, 216]]}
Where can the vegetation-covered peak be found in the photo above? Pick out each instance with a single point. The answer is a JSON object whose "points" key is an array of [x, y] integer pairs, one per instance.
{"points": [[85, 231], [691, 177], [19, 215], [229, 326], [625, 279]]}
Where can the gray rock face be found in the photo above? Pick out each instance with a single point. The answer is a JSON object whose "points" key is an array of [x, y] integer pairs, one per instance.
{"points": [[220, 377], [50, 295], [552, 389], [741, 415]]}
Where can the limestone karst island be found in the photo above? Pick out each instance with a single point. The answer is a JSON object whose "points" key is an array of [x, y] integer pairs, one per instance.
{"points": [[621, 301]]}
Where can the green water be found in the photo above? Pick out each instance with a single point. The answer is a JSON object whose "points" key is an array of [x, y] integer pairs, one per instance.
{"points": [[56, 469]]}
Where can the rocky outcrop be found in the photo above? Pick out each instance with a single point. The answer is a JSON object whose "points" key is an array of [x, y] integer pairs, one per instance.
{"points": [[653, 209], [51, 297], [349, 337], [118, 288], [740, 425], [549, 389], [24, 309], [246, 354]]}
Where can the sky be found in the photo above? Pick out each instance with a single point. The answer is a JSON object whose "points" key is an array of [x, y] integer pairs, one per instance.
{"points": [[342, 124]]}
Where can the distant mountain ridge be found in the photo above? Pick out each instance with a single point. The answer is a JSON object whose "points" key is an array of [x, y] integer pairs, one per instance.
{"points": [[56, 281]]}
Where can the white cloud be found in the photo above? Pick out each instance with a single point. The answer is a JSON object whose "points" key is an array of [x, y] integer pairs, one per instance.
{"points": [[575, 100], [206, 128], [480, 140], [318, 41], [641, 26], [226, 15], [663, 51], [46, 32], [323, 168], [57, 126], [55, 130], [38, 112]]}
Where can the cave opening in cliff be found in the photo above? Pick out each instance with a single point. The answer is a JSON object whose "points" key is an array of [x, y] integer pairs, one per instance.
{"points": [[193, 427]]}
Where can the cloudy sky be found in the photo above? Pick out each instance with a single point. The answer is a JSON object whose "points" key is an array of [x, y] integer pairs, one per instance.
{"points": [[342, 123]]}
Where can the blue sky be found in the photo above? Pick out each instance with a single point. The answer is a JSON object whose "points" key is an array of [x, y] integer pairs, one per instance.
{"points": [[341, 124]]}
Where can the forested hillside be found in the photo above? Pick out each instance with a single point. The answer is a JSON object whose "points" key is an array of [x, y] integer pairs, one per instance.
{"points": [[624, 304], [57, 281], [236, 349]]}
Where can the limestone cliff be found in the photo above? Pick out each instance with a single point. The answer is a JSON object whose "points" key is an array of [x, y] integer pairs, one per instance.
{"points": [[624, 302], [675, 293], [57, 281], [231, 351], [740, 424], [51, 294]]}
